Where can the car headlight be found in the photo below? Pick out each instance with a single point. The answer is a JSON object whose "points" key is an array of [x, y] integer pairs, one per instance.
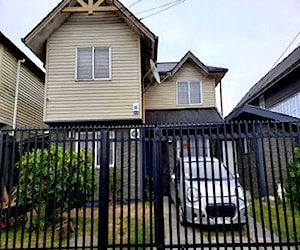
{"points": [[192, 194]]}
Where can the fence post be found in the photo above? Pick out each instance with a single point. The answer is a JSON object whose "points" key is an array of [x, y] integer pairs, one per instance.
{"points": [[104, 191], [158, 187], [260, 160], [1, 155]]}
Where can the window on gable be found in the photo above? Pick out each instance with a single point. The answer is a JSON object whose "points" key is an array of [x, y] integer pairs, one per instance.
{"points": [[93, 63], [188, 92]]}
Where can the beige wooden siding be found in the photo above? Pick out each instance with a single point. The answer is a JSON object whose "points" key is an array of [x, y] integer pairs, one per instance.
{"points": [[163, 96], [1, 88], [31, 94], [70, 100]]}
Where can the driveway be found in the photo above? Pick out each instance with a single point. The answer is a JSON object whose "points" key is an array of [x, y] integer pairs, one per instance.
{"points": [[177, 234]]}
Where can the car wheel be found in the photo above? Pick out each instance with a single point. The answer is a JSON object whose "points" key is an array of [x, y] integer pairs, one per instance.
{"points": [[182, 217]]}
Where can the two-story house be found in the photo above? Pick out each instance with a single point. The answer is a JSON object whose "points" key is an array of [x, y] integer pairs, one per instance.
{"points": [[97, 58], [21, 88]]}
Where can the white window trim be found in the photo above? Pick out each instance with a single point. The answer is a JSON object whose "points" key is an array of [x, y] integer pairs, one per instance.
{"points": [[93, 63], [97, 140], [189, 92]]}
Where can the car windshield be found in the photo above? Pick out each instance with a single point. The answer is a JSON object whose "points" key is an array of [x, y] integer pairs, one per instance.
{"points": [[211, 171]]}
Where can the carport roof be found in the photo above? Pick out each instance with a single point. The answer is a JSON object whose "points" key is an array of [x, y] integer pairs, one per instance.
{"points": [[250, 112], [203, 115]]}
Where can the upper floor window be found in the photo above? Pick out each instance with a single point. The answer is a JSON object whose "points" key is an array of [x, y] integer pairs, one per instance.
{"points": [[93, 63], [189, 92]]}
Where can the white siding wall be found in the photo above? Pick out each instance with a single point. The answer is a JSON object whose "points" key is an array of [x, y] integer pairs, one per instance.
{"points": [[290, 106], [31, 94], [163, 96], [70, 100]]}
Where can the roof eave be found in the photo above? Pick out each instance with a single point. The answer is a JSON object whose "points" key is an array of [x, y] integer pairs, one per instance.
{"points": [[20, 55], [273, 82], [36, 39]]}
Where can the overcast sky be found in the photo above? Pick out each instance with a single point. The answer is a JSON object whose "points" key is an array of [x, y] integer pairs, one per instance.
{"points": [[245, 36]]}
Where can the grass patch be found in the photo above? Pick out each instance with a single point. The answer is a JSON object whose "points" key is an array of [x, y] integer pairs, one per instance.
{"points": [[128, 224], [274, 218]]}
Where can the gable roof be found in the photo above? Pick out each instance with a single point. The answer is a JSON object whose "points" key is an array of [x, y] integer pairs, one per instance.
{"points": [[20, 55], [36, 39], [249, 112], [286, 66], [171, 68]]}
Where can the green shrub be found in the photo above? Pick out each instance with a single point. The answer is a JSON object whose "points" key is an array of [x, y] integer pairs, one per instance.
{"points": [[54, 181], [293, 180]]}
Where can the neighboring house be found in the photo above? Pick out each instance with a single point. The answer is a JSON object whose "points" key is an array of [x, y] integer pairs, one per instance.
{"points": [[20, 107], [97, 59], [274, 98], [278, 90], [30, 103]]}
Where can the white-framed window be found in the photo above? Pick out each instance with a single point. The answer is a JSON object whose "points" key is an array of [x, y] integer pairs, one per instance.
{"points": [[93, 63], [189, 92], [92, 141]]}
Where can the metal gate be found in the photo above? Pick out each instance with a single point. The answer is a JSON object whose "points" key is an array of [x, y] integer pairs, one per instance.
{"points": [[200, 186]]}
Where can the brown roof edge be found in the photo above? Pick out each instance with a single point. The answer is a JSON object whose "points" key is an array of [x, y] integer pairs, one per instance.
{"points": [[139, 27], [21, 55], [28, 36], [218, 72]]}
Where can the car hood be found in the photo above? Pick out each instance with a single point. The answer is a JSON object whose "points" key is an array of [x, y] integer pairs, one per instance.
{"points": [[216, 188]]}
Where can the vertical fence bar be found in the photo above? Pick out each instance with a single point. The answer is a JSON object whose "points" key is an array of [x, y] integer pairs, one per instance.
{"points": [[129, 169], [294, 175], [1, 182], [159, 209], [104, 191], [122, 178]]}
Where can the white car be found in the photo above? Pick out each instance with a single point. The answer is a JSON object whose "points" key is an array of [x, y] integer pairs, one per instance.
{"points": [[207, 193]]}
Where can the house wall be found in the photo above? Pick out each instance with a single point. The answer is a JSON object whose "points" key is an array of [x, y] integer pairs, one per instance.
{"points": [[276, 151], [31, 93], [163, 96], [71, 100], [283, 90], [284, 96]]}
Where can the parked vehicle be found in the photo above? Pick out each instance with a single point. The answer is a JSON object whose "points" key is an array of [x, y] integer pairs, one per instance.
{"points": [[207, 193]]}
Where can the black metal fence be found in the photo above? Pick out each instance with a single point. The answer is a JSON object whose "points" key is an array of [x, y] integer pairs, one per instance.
{"points": [[232, 185]]}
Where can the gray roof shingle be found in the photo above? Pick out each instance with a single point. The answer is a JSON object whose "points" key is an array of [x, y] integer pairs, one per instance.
{"points": [[285, 66], [165, 67]]}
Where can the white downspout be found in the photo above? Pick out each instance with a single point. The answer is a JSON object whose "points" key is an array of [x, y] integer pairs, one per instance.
{"points": [[17, 93]]}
